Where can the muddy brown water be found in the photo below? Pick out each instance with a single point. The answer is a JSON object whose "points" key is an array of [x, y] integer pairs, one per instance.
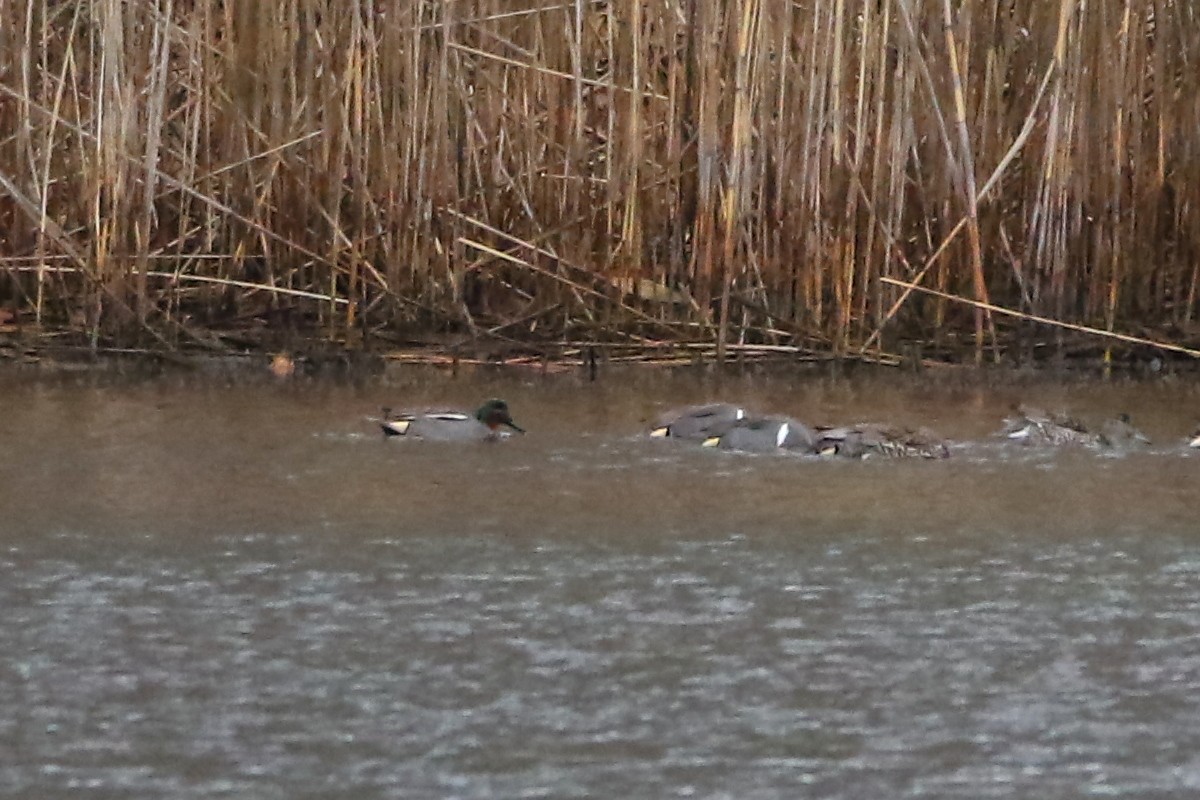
{"points": [[236, 588]]}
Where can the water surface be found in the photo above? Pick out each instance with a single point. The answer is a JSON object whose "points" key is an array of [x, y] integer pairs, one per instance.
{"points": [[234, 589]]}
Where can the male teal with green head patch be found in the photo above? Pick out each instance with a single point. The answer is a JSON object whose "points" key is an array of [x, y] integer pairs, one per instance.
{"points": [[491, 421]]}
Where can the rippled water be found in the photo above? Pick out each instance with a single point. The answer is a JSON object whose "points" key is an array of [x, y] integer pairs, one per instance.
{"points": [[241, 590]]}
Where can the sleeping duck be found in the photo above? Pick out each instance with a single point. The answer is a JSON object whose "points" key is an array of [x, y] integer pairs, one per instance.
{"points": [[763, 435], [698, 422]]}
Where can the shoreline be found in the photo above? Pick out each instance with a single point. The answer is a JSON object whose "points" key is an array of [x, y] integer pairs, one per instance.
{"points": [[317, 357]]}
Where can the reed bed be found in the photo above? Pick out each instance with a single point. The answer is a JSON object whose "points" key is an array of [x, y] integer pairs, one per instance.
{"points": [[809, 177]]}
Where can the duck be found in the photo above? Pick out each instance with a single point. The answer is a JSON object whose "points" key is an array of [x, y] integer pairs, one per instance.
{"points": [[490, 422], [1119, 433], [1035, 427], [870, 440], [764, 435], [1032, 426], [698, 422]]}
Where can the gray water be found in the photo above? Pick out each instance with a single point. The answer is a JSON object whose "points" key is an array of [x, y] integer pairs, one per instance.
{"points": [[237, 589]]}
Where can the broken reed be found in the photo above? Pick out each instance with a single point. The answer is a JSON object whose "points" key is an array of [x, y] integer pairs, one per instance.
{"points": [[745, 170]]}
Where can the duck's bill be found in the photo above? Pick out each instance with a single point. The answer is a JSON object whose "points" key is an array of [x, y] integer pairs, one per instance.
{"points": [[513, 426]]}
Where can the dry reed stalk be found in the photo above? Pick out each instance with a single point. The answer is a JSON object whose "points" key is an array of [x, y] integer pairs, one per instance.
{"points": [[1053, 322], [748, 44], [561, 278], [965, 167], [773, 161], [1017, 145]]}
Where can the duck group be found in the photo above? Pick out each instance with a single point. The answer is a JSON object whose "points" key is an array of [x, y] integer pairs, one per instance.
{"points": [[1036, 427], [729, 426]]}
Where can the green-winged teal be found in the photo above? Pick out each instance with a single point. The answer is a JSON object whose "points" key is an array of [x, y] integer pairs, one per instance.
{"points": [[1035, 427], [1119, 433], [874, 441], [485, 424], [1032, 426], [698, 422], [764, 435]]}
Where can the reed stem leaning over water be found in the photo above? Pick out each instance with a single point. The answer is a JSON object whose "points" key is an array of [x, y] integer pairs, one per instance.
{"points": [[711, 171]]}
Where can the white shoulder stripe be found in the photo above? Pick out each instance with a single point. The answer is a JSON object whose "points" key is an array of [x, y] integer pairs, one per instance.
{"points": [[449, 416], [398, 426], [781, 435]]}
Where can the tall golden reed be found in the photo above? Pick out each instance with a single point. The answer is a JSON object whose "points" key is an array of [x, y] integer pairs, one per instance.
{"points": [[748, 171]]}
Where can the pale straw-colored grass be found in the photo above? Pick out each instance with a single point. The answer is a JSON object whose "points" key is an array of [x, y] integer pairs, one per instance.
{"points": [[727, 173]]}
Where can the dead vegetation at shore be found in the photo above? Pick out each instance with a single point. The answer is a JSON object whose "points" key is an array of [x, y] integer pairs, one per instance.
{"points": [[732, 175]]}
